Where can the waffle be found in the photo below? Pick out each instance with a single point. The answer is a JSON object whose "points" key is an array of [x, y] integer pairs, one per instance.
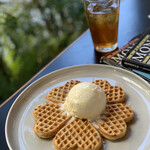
{"points": [[49, 119], [75, 134], [115, 94], [78, 135], [104, 84], [114, 121], [59, 94]]}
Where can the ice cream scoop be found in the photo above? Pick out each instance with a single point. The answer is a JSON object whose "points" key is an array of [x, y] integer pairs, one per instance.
{"points": [[85, 101]]}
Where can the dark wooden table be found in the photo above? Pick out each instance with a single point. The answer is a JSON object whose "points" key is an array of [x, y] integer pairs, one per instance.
{"points": [[134, 19]]}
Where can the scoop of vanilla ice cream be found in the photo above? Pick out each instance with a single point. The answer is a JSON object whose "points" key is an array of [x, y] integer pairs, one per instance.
{"points": [[85, 101]]}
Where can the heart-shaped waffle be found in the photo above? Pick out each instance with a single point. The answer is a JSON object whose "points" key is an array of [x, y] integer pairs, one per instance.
{"points": [[78, 135], [115, 94], [104, 84], [114, 121], [58, 94], [49, 119]]}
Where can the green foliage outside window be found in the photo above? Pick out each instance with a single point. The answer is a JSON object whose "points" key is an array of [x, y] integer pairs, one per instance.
{"points": [[32, 33]]}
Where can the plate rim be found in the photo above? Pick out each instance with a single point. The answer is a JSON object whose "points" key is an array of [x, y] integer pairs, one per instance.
{"points": [[56, 71]]}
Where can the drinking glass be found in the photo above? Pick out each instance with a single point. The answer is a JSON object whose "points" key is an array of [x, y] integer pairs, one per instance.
{"points": [[103, 17]]}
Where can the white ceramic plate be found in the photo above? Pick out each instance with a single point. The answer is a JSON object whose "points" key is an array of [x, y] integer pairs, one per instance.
{"points": [[19, 123]]}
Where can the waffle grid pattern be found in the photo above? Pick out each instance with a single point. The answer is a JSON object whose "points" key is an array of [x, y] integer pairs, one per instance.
{"points": [[49, 119], [59, 94], [78, 134], [120, 110], [104, 84], [114, 121], [115, 94]]}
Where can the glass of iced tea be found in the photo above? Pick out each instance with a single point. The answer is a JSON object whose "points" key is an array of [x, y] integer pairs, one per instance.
{"points": [[103, 16]]}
